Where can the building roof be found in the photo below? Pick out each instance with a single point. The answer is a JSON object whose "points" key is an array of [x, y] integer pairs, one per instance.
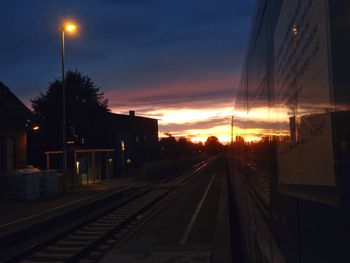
{"points": [[130, 123], [10, 106], [129, 117]]}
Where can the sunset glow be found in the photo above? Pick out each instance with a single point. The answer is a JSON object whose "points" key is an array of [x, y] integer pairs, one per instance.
{"points": [[198, 124], [195, 124], [183, 116]]}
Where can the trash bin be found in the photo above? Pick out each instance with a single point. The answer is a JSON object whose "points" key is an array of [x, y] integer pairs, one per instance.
{"points": [[24, 183], [49, 182]]}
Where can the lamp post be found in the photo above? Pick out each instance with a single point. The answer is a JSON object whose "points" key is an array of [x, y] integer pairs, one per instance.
{"points": [[69, 27], [295, 35]]}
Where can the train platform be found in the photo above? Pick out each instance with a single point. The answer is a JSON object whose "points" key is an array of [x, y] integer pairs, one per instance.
{"points": [[20, 214], [193, 227]]}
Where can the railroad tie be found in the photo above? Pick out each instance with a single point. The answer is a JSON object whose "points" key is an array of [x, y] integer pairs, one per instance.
{"points": [[50, 256], [63, 250], [73, 243]]}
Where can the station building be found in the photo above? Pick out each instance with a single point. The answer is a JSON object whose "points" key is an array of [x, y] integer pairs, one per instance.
{"points": [[121, 143], [292, 181]]}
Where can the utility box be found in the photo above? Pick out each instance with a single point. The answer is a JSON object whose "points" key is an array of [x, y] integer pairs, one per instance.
{"points": [[49, 182], [24, 184]]}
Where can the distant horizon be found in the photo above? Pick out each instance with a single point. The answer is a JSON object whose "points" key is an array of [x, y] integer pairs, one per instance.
{"points": [[162, 133]]}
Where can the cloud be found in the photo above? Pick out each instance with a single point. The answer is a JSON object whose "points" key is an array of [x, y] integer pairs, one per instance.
{"points": [[199, 125], [128, 2], [204, 85]]}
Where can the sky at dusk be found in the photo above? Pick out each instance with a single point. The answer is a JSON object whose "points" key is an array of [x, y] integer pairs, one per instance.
{"points": [[175, 60]]}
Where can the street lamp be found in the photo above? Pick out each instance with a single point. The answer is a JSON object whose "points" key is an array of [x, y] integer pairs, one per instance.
{"points": [[70, 28]]}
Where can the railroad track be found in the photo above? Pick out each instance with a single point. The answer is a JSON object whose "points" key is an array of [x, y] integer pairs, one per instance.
{"points": [[185, 175], [89, 241]]}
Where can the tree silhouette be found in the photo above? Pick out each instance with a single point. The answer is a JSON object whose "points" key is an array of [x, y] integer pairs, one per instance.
{"points": [[213, 146], [172, 148], [84, 106], [169, 147], [186, 146]]}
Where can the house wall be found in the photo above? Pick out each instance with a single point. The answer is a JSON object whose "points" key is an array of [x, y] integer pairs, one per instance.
{"points": [[16, 132], [140, 137]]}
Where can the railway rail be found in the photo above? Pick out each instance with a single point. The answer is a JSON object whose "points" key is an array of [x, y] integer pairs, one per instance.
{"points": [[96, 234]]}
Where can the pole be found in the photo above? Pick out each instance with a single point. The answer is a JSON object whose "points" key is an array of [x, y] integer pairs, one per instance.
{"points": [[295, 86], [64, 149], [232, 120]]}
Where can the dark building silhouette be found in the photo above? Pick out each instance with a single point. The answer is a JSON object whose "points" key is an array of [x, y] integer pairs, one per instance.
{"points": [[14, 116], [139, 135], [117, 144], [292, 187]]}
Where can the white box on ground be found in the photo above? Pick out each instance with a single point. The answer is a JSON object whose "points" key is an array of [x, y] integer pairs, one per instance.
{"points": [[24, 183]]}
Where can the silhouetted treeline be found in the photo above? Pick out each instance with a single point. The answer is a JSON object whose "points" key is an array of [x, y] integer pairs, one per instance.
{"points": [[213, 146], [172, 148]]}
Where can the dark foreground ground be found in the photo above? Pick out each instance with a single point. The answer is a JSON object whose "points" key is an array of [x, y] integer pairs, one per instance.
{"points": [[196, 225]]}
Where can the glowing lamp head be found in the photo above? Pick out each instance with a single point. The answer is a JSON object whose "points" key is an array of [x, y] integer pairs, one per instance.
{"points": [[69, 27]]}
